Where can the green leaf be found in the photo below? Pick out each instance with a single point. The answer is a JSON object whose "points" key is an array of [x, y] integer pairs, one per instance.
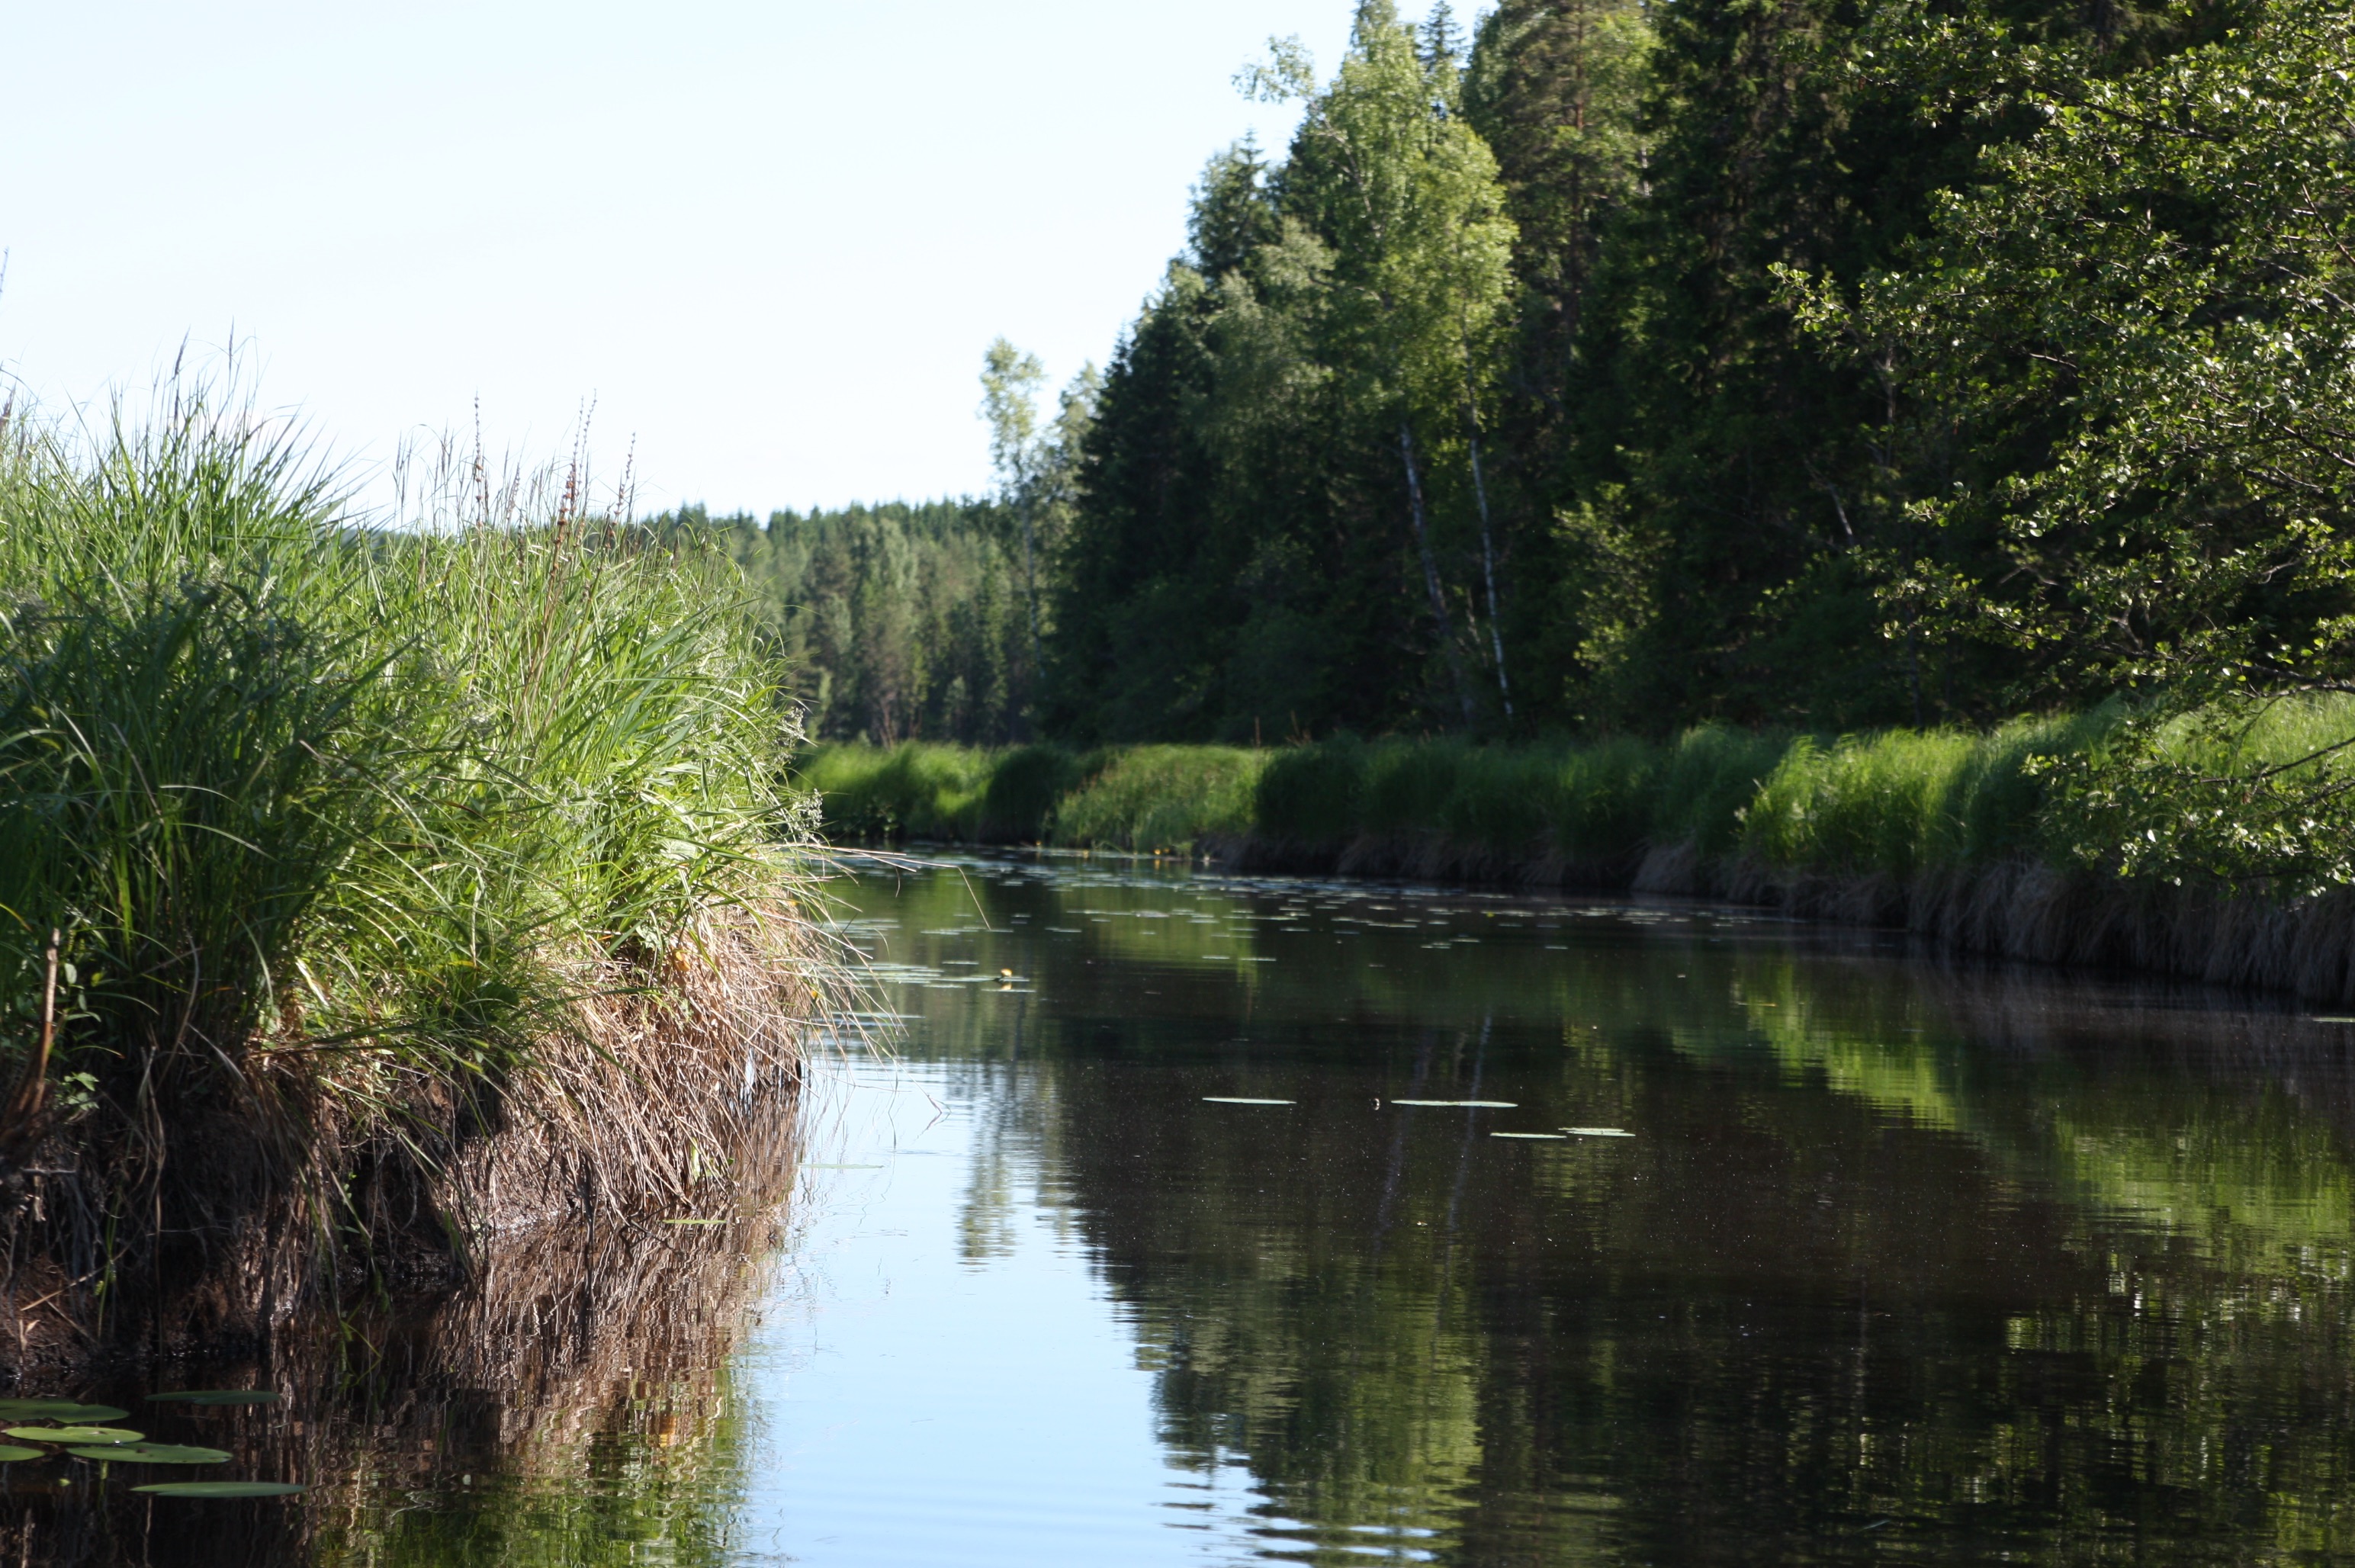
{"points": [[154, 1454], [56, 1410], [222, 1490], [1463, 1105], [65, 1434]]}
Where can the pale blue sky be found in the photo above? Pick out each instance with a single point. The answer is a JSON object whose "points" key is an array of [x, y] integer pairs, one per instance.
{"points": [[770, 241]]}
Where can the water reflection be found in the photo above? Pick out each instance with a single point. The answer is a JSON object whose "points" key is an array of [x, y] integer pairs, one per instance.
{"points": [[575, 1404], [1904, 1259], [1135, 1255]]}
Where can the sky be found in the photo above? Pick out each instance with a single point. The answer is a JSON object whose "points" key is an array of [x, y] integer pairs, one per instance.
{"points": [[767, 242]]}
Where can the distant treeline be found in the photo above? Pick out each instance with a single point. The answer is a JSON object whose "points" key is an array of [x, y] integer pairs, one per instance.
{"points": [[927, 620], [895, 622]]}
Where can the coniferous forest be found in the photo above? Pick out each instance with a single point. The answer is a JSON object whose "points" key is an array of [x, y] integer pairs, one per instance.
{"points": [[1607, 367]]}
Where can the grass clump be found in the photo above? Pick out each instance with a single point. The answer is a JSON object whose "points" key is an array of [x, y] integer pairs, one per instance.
{"points": [[1163, 797], [360, 845], [911, 791], [921, 790]]}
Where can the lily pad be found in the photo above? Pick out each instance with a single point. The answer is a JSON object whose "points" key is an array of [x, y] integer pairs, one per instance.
{"points": [[56, 1410], [1241, 1100], [64, 1435], [222, 1490], [1463, 1105], [154, 1454], [10, 1453], [216, 1396]]}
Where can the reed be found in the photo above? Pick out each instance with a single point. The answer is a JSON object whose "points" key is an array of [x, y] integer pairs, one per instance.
{"points": [[368, 850]]}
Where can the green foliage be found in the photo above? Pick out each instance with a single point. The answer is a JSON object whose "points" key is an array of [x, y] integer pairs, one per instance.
{"points": [[367, 807], [1893, 803], [913, 790], [1025, 787], [901, 623], [2135, 327], [888, 622], [1280, 521], [1163, 797], [1809, 369]]}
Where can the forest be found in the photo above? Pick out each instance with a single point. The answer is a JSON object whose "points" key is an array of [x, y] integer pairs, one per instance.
{"points": [[1610, 369]]}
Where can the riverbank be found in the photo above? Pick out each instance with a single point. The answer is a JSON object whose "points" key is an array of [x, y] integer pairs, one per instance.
{"points": [[375, 897], [1955, 836]]}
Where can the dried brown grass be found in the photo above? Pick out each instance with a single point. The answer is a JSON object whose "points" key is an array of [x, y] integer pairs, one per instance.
{"points": [[662, 1092]]}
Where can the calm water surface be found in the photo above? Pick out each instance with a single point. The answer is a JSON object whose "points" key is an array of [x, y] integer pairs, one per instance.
{"points": [[1898, 1259]]}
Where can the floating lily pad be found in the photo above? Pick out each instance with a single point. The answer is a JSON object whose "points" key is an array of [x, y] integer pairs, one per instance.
{"points": [[154, 1454], [1556, 1136], [1598, 1132], [56, 1410], [63, 1435], [1241, 1100], [216, 1396], [221, 1490], [10, 1453], [1463, 1105]]}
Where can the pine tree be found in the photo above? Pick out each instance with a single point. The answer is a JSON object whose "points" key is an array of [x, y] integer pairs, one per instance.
{"points": [[1441, 43]]}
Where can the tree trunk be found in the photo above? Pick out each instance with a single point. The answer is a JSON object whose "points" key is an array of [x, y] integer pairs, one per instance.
{"points": [[1031, 594], [1489, 571], [1431, 571]]}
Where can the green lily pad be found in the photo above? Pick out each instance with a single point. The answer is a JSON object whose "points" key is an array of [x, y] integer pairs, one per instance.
{"points": [[1460, 1104], [154, 1454], [222, 1490], [56, 1410], [65, 1436], [216, 1396], [10, 1453]]}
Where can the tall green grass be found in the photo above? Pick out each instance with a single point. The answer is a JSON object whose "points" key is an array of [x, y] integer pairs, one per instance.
{"points": [[1162, 797], [917, 790], [340, 824], [1890, 804]]}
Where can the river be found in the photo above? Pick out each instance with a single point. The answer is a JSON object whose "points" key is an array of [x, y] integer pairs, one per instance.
{"points": [[1164, 1233]]}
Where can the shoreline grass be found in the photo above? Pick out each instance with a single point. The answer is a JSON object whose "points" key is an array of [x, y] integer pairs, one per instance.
{"points": [[401, 876], [1963, 836]]}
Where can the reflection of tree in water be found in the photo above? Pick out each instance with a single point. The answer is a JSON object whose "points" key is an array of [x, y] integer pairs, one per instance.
{"points": [[1905, 1257]]}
